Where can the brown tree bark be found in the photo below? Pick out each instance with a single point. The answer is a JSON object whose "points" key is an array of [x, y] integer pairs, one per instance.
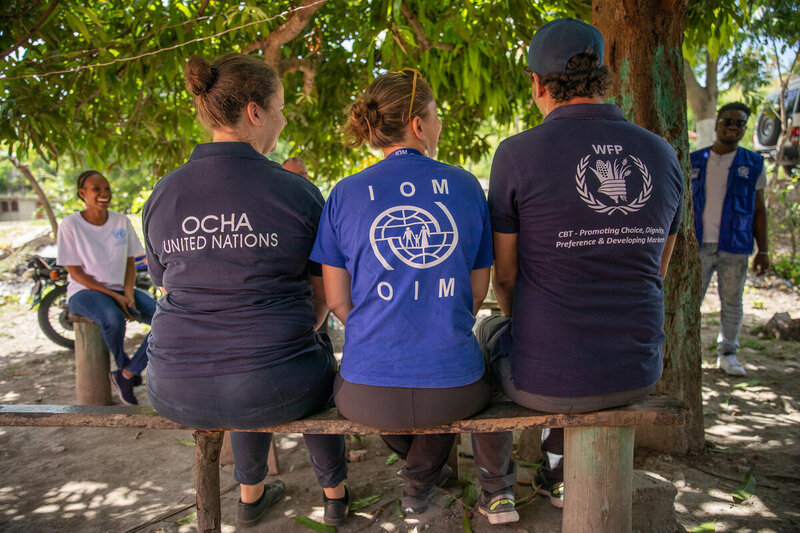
{"points": [[26, 171], [643, 42]]}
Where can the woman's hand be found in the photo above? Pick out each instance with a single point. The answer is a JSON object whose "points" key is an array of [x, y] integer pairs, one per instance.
{"points": [[124, 303]]}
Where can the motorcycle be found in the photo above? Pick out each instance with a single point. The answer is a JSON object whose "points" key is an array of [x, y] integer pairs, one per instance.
{"points": [[49, 293]]}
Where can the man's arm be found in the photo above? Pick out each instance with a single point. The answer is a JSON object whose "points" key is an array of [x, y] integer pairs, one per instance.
{"points": [[505, 270], [761, 262], [667, 254]]}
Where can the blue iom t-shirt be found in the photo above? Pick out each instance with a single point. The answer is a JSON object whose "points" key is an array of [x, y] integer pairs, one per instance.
{"points": [[409, 230]]}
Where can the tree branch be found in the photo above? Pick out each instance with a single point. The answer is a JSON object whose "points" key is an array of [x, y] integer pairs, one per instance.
{"points": [[711, 77], [200, 12], [422, 40], [33, 30], [297, 21], [306, 66], [26, 171]]}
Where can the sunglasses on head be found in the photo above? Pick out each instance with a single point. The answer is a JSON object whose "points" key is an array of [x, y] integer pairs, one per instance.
{"points": [[732, 122]]}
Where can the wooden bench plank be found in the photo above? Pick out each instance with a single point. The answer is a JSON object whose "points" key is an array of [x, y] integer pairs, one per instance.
{"points": [[657, 410]]}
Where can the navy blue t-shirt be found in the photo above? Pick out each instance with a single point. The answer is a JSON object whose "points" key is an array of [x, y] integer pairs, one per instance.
{"points": [[409, 230], [228, 236], [593, 199]]}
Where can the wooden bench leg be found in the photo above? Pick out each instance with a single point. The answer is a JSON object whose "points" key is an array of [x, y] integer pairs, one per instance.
{"points": [[598, 472], [92, 386], [452, 459], [206, 480], [273, 466]]}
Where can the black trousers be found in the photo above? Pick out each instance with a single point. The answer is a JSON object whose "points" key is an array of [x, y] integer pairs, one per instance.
{"points": [[413, 408]]}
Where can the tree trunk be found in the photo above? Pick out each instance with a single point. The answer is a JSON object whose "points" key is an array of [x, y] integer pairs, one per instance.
{"points": [[26, 171], [703, 101], [643, 41]]}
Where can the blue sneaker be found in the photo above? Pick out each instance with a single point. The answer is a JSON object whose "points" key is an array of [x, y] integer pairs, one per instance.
{"points": [[124, 387]]}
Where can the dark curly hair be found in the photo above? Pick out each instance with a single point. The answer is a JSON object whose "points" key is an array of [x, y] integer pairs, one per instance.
{"points": [[586, 77], [735, 106]]}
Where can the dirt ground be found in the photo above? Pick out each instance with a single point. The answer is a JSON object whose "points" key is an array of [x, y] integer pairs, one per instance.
{"points": [[93, 480]]}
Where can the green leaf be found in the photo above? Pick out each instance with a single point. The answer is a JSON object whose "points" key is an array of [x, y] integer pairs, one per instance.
{"points": [[185, 442], [746, 489], [398, 509], [188, 519], [708, 527], [365, 502], [529, 464], [313, 524], [469, 495], [466, 525], [746, 384], [392, 459]]}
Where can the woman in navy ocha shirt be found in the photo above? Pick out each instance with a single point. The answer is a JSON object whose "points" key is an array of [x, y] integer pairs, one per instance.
{"points": [[228, 236], [406, 247]]}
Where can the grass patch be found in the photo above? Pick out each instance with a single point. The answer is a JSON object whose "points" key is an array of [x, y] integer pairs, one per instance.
{"points": [[753, 344]]}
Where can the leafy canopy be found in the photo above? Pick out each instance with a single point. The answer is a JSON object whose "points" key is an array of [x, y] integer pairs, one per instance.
{"points": [[103, 84]]}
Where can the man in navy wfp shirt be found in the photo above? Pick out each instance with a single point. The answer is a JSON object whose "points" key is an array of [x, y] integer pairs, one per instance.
{"points": [[584, 209]]}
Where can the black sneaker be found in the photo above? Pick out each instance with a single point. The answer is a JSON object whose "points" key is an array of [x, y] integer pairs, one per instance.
{"points": [[336, 509], [418, 503], [553, 489], [498, 509], [250, 514], [137, 380], [124, 387]]}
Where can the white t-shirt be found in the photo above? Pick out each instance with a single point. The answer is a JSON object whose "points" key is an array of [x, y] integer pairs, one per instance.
{"points": [[717, 171], [102, 251]]}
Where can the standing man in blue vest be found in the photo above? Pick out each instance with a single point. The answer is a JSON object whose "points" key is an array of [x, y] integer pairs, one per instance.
{"points": [[729, 214]]}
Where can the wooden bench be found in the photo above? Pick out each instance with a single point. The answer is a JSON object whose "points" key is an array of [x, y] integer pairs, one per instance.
{"points": [[598, 448]]}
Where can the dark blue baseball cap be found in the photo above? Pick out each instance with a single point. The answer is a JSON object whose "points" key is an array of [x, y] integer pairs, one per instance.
{"points": [[558, 41]]}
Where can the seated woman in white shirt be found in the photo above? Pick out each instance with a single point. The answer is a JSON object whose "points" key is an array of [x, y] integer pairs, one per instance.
{"points": [[97, 247]]}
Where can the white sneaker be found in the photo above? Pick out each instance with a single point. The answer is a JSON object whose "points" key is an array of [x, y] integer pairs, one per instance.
{"points": [[730, 365]]}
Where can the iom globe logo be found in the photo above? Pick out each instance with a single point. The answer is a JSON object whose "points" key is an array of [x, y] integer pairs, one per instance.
{"points": [[413, 235]]}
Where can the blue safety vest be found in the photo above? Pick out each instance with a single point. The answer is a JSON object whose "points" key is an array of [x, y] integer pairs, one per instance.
{"points": [[736, 225]]}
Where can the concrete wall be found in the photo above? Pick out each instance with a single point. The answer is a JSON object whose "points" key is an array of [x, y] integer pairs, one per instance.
{"points": [[17, 207]]}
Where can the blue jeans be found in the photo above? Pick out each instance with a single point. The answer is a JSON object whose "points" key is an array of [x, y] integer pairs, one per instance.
{"points": [[257, 399], [104, 311], [731, 274]]}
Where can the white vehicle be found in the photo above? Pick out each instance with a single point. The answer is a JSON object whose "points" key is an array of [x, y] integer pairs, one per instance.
{"points": [[768, 127]]}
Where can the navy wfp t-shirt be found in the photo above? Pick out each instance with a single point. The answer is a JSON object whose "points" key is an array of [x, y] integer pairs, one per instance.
{"points": [[593, 199], [228, 235], [409, 230]]}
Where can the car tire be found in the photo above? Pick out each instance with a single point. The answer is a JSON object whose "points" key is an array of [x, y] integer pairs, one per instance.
{"points": [[767, 130]]}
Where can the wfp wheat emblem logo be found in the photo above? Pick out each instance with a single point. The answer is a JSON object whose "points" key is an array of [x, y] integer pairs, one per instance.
{"points": [[415, 236], [617, 180]]}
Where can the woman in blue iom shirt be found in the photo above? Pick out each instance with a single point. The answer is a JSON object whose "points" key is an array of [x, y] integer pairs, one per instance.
{"points": [[228, 235], [405, 247]]}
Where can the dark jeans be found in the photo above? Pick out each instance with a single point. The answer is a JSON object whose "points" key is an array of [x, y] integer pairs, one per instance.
{"points": [[494, 336], [257, 399], [104, 311], [410, 408]]}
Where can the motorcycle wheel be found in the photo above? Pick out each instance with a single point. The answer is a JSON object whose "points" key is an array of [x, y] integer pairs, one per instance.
{"points": [[54, 318]]}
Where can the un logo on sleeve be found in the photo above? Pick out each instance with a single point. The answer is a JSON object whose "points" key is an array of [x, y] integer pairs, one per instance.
{"points": [[415, 236]]}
